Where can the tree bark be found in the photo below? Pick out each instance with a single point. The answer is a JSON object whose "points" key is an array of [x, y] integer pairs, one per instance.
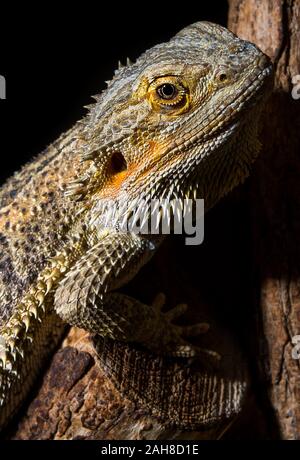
{"points": [[76, 400], [274, 25]]}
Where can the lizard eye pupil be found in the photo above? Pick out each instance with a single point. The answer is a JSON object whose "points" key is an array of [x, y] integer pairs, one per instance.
{"points": [[167, 91]]}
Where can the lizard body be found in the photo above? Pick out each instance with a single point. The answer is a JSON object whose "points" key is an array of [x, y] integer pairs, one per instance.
{"points": [[179, 123]]}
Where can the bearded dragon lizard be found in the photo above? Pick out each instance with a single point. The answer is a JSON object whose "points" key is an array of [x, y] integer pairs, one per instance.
{"points": [[181, 122]]}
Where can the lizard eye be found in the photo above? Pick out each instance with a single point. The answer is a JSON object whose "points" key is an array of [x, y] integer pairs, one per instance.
{"points": [[166, 91], [168, 94]]}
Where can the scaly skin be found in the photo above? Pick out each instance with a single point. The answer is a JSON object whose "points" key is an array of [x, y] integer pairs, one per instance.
{"points": [[195, 138]]}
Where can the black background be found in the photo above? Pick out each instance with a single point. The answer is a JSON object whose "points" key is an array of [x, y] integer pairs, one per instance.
{"points": [[55, 56]]}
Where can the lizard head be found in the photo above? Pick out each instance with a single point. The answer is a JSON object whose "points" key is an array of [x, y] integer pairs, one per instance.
{"points": [[179, 122]]}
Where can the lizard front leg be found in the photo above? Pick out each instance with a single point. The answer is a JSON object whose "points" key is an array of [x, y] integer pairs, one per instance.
{"points": [[87, 298]]}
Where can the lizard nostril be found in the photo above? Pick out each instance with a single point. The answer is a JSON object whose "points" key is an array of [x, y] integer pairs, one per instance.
{"points": [[222, 77], [118, 162]]}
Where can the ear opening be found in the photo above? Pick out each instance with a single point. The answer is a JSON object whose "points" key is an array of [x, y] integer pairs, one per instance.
{"points": [[118, 162]]}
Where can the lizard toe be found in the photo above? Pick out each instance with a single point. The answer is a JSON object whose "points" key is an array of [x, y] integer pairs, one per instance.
{"points": [[159, 301], [176, 312], [194, 329]]}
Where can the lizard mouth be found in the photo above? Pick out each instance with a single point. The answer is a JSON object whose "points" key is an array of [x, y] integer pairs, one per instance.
{"points": [[222, 125], [233, 114]]}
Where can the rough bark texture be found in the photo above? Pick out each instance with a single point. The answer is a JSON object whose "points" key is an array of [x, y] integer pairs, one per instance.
{"points": [[77, 401], [274, 25]]}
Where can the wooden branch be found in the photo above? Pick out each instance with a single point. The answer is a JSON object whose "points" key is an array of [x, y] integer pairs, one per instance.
{"points": [[274, 25]]}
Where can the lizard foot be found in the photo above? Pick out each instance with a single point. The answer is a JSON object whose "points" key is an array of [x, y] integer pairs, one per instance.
{"points": [[175, 336]]}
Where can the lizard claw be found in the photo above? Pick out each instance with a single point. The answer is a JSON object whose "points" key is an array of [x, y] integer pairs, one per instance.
{"points": [[209, 353], [178, 346]]}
